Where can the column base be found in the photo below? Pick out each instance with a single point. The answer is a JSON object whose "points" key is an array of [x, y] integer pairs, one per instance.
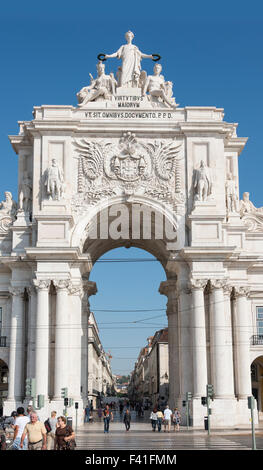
{"points": [[226, 412]]}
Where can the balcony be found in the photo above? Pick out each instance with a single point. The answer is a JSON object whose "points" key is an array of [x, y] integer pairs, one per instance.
{"points": [[257, 340], [3, 341]]}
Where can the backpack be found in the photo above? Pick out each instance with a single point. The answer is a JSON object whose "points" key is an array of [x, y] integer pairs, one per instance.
{"points": [[47, 425]]}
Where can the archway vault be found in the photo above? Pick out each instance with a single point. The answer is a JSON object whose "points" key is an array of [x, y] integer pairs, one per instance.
{"points": [[138, 221]]}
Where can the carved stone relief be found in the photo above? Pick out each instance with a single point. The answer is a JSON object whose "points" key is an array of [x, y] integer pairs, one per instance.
{"points": [[126, 167]]}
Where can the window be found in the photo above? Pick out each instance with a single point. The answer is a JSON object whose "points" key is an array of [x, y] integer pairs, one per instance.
{"points": [[260, 321]]}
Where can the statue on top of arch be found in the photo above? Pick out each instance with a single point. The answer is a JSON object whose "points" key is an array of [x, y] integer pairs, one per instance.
{"points": [[129, 75]]}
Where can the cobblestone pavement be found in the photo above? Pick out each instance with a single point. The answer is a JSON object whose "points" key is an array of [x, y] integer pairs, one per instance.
{"points": [[141, 437]]}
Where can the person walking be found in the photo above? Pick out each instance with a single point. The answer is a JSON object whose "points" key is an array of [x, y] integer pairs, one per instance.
{"points": [[176, 419], [65, 436], [19, 426], [36, 432], [159, 419], [167, 418], [53, 423], [87, 413], [99, 411], [127, 419], [107, 416], [153, 418]]}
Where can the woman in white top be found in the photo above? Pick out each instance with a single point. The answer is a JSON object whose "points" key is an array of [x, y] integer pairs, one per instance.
{"points": [[19, 425]]}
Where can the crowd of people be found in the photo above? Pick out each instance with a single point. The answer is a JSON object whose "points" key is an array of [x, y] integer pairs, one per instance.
{"points": [[30, 433], [159, 416]]}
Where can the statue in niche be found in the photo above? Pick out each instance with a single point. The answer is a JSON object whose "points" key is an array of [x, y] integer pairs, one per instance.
{"points": [[131, 56], [157, 87], [54, 181], [231, 194], [9, 206], [103, 86], [202, 182], [25, 194]]}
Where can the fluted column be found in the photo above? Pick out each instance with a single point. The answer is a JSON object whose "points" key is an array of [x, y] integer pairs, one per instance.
{"points": [[220, 349], [42, 336], [185, 338], [242, 342], [32, 308], [75, 340], [90, 288], [61, 366], [198, 337], [168, 288], [16, 351]]}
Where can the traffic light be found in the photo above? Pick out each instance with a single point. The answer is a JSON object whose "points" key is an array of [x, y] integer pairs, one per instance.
{"points": [[76, 405], [250, 402], [184, 403], [189, 396], [65, 401], [204, 401], [40, 401], [210, 390], [30, 387], [64, 392]]}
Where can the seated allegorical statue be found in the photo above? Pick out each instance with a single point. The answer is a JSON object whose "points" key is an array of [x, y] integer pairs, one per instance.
{"points": [[157, 87], [9, 206], [103, 86], [247, 207]]}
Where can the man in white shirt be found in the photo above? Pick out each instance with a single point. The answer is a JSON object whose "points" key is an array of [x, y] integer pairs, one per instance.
{"points": [[167, 418], [19, 425]]}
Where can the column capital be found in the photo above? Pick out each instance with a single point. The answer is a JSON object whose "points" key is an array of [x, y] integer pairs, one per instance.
{"points": [[41, 284], [241, 291], [197, 284], [17, 291], [61, 284], [217, 283], [228, 288], [76, 289]]}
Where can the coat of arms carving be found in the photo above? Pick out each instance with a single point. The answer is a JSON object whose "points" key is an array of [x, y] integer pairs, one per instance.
{"points": [[128, 166]]}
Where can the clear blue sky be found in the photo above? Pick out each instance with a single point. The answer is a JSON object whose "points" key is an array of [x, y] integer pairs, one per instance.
{"points": [[212, 51]]}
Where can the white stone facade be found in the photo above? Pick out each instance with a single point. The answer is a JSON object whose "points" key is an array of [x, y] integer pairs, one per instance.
{"points": [[131, 146], [101, 381]]}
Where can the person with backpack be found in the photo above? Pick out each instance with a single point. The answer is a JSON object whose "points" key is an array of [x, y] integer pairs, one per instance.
{"points": [[51, 426]]}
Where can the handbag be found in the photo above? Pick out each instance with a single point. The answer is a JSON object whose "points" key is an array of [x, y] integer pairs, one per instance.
{"points": [[70, 445]]}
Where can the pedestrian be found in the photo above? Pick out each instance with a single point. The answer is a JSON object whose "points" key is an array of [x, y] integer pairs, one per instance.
{"points": [[127, 419], [176, 419], [12, 419], [153, 418], [87, 413], [167, 418], [159, 419], [53, 423], [107, 416], [65, 436], [36, 432], [99, 411], [19, 426]]}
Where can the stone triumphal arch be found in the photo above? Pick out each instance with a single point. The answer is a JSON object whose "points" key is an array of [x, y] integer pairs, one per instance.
{"points": [[89, 176]]}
